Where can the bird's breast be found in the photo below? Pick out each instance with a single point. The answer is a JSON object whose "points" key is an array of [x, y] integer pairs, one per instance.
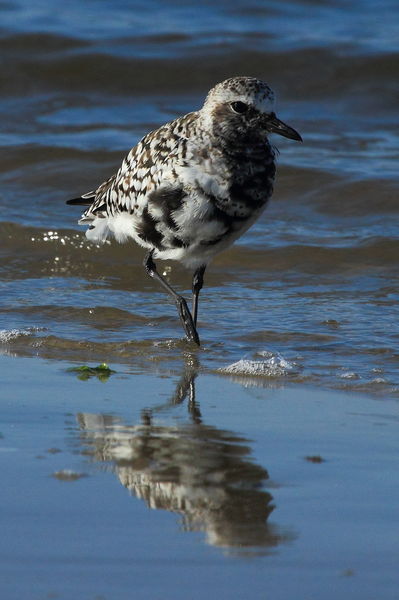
{"points": [[238, 185]]}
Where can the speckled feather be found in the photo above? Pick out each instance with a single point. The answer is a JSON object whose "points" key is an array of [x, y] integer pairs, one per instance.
{"points": [[189, 189]]}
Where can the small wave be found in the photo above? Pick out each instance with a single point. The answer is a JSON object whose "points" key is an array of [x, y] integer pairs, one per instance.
{"points": [[7, 335], [270, 365], [349, 375]]}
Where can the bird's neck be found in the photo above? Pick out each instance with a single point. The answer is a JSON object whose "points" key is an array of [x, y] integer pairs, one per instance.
{"points": [[247, 148]]}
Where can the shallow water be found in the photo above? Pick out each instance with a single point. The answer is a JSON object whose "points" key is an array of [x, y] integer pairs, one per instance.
{"points": [[308, 298], [292, 491]]}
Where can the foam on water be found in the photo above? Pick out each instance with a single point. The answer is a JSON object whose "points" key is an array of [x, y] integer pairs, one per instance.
{"points": [[270, 365]]}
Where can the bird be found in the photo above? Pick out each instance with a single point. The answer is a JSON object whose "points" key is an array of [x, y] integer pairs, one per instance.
{"points": [[192, 187]]}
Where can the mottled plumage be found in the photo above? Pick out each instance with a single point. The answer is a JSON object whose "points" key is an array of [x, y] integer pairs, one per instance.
{"points": [[189, 189]]}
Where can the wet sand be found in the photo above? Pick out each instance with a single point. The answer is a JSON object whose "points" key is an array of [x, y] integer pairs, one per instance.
{"points": [[173, 485]]}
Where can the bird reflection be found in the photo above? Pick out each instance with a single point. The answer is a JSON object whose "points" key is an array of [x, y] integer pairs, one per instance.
{"points": [[202, 473]]}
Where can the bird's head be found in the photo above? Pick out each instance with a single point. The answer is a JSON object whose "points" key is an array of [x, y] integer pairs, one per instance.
{"points": [[243, 108]]}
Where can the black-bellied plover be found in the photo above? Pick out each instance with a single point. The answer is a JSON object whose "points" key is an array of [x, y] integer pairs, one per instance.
{"points": [[189, 189]]}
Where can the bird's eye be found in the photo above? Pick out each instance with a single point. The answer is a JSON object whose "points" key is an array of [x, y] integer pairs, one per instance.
{"points": [[239, 107]]}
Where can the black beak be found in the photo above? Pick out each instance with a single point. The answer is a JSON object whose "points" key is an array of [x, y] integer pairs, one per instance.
{"points": [[274, 125]]}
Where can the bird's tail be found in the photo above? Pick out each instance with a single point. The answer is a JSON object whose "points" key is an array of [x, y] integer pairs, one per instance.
{"points": [[83, 200]]}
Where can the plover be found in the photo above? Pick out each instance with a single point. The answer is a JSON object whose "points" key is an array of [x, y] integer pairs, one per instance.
{"points": [[189, 189]]}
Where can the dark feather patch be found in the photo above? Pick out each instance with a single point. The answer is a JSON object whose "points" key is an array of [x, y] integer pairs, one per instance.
{"points": [[217, 214], [168, 199], [178, 243], [147, 232]]}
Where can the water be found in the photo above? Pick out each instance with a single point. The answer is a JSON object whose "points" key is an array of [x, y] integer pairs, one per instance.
{"points": [[308, 298], [113, 489]]}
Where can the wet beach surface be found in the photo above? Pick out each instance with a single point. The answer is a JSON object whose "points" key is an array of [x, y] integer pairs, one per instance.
{"points": [[267, 457]]}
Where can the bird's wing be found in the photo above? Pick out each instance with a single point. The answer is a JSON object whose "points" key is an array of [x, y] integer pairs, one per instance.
{"points": [[148, 166]]}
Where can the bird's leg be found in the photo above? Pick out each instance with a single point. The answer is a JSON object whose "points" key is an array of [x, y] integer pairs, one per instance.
{"points": [[184, 313], [198, 282]]}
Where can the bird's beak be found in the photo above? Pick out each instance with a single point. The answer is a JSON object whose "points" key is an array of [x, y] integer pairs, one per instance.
{"points": [[274, 125]]}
